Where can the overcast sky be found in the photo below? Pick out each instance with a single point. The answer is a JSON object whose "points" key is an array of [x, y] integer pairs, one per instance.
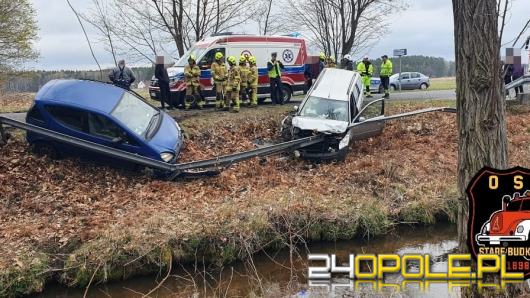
{"points": [[425, 28]]}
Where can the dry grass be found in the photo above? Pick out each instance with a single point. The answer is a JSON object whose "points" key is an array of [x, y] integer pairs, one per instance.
{"points": [[15, 102], [70, 222]]}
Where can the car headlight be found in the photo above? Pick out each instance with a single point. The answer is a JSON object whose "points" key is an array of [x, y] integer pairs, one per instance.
{"points": [[167, 156], [345, 142], [520, 229]]}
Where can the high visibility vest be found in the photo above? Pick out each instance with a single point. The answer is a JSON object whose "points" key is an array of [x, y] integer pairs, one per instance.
{"points": [[386, 68], [361, 68], [275, 72]]}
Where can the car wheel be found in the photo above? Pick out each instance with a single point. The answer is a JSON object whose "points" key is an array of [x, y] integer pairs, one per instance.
{"points": [[424, 86], [393, 87], [261, 100], [45, 149], [381, 89], [286, 93]]}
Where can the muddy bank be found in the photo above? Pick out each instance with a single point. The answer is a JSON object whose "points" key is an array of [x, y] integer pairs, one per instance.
{"points": [[77, 223]]}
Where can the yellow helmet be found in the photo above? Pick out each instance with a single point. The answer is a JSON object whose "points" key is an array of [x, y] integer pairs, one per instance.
{"points": [[231, 60], [242, 59], [252, 59], [218, 55], [192, 58], [322, 56]]}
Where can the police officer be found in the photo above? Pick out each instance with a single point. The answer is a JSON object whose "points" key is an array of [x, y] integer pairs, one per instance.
{"points": [[244, 79], [122, 76], [274, 67], [192, 73], [219, 74], [385, 74], [233, 85], [366, 69], [347, 62], [252, 79]]}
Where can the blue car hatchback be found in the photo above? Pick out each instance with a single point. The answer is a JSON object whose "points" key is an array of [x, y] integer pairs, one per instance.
{"points": [[103, 114]]}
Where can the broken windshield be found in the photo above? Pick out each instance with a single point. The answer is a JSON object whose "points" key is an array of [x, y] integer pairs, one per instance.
{"points": [[322, 108]]}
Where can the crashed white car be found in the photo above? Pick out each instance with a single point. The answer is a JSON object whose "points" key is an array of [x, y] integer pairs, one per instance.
{"points": [[332, 107]]}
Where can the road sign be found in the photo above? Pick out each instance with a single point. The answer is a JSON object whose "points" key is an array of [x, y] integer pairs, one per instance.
{"points": [[400, 52]]}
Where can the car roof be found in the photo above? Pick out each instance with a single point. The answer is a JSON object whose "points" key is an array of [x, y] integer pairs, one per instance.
{"points": [[90, 95], [335, 83]]}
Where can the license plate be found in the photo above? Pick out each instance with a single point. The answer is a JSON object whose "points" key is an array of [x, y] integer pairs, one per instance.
{"points": [[153, 94]]}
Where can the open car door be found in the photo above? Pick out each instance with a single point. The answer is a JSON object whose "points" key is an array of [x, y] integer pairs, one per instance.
{"points": [[371, 115]]}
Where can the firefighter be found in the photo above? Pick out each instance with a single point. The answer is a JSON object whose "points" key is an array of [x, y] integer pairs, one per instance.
{"points": [[232, 87], [321, 62], [330, 63], [253, 81], [192, 73], [244, 79], [366, 69], [385, 74], [219, 73]]}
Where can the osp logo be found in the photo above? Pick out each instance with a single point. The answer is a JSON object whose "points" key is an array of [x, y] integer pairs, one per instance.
{"points": [[499, 219]]}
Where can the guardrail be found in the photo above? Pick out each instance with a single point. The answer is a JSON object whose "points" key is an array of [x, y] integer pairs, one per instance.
{"points": [[519, 82]]}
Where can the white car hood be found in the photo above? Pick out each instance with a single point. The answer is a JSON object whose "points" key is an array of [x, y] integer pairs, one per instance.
{"points": [[173, 71], [320, 125]]}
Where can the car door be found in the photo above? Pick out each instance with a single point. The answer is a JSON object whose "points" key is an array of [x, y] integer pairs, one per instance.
{"points": [[415, 80], [373, 111], [69, 121], [405, 81]]}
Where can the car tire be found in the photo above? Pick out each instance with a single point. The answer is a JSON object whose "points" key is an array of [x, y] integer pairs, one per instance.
{"points": [[393, 87], [424, 86], [261, 100], [43, 148], [287, 93]]}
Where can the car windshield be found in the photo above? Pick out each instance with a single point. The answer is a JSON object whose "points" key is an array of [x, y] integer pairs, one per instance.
{"points": [[134, 113], [322, 108], [197, 52]]}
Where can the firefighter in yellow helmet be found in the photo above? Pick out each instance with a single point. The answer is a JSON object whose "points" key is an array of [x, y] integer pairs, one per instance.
{"points": [[192, 72], [253, 81], [321, 62], [244, 79], [233, 84], [330, 62], [219, 75], [366, 69]]}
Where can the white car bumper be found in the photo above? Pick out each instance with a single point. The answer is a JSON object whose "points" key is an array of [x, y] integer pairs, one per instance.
{"points": [[496, 240]]}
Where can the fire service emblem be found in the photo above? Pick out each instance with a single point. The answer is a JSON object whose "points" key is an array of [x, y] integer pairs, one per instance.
{"points": [[499, 216]]}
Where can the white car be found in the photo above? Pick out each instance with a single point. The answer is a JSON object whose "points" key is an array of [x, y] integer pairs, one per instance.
{"points": [[331, 106]]}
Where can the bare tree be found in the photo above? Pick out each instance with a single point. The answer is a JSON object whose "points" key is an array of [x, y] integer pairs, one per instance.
{"points": [[100, 18], [343, 26]]}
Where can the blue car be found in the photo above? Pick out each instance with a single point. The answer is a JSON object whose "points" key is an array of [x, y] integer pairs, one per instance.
{"points": [[103, 114]]}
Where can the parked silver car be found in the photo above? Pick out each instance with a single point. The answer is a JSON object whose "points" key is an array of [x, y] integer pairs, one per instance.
{"points": [[409, 81]]}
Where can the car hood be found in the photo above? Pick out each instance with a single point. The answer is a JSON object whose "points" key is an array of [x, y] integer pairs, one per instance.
{"points": [[169, 137], [320, 125], [175, 71]]}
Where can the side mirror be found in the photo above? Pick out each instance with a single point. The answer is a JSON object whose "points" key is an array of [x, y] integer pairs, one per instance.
{"points": [[505, 200]]}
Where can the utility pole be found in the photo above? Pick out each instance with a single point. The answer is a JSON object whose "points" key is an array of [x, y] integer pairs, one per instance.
{"points": [[400, 53]]}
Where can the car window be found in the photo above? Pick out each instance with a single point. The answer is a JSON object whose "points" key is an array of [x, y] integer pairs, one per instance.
{"points": [[405, 76], [207, 60], [135, 114], [103, 127], [322, 108], [415, 75], [70, 117], [514, 206], [35, 114], [526, 205], [197, 52]]}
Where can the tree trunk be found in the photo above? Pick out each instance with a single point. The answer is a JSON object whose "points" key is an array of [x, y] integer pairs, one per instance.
{"points": [[480, 102]]}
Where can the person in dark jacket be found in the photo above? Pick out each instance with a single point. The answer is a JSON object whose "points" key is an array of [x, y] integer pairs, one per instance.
{"points": [[163, 82], [518, 72], [347, 62], [274, 68], [122, 76]]}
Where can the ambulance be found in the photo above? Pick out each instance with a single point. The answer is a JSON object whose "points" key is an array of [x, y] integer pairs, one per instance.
{"points": [[291, 51]]}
